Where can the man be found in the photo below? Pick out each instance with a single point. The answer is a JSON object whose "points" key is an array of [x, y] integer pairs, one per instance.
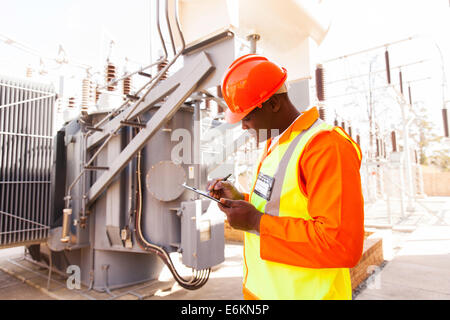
{"points": [[304, 215]]}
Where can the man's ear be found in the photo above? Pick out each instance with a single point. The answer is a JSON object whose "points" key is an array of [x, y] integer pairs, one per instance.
{"points": [[276, 103]]}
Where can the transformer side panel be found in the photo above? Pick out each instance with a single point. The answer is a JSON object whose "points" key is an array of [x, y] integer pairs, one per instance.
{"points": [[163, 171]]}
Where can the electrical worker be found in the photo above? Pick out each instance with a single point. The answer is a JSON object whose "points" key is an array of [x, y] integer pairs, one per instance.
{"points": [[304, 215]]}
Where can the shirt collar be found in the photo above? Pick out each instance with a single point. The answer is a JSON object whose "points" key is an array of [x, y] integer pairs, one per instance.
{"points": [[303, 122]]}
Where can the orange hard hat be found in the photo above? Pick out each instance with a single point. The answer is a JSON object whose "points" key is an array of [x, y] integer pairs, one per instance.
{"points": [[249, 81]]}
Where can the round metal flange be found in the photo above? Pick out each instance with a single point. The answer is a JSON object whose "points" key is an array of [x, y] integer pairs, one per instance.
{"points": [[164, 180]]}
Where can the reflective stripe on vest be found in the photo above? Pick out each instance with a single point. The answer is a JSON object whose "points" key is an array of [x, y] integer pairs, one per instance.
{"points": [[273, 280]]}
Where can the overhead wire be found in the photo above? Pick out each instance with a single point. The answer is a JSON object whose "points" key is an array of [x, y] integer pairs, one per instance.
{"points": [[9, 41]]}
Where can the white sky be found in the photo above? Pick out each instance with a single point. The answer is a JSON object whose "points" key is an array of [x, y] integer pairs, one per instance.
{"points": [[84, 27], [362, 24], [81, 26]]}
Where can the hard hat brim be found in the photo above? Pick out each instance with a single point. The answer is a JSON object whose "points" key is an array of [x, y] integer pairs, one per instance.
{"points": [[234, 117]]}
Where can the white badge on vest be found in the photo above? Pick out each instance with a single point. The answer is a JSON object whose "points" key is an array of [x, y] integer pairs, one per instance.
{"points": [[263, 186]]}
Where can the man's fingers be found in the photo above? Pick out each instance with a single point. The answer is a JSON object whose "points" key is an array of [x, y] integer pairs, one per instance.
{"points": [[213, 184], [223, 208], [215, 194], [226, 202], [218, 185]]}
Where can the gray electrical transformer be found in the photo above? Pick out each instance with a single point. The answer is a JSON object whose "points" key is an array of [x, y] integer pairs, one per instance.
{"points": [[109, 184]]}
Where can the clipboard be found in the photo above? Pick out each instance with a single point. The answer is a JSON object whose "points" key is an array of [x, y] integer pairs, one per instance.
{"points": [[203, 193]]}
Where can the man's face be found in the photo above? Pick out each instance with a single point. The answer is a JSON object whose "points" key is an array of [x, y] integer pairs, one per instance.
{"points": [[258, 122]]}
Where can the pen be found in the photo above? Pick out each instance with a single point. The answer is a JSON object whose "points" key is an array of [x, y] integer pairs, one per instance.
{"points": [[212, 187], [225, 179]]}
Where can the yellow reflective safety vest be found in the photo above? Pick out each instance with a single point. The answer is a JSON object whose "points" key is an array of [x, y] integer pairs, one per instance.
{"points": [[265, 279]]}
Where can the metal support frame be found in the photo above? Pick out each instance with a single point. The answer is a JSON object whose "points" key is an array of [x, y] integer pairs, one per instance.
{"points": [[189, 79], [155, 96]]}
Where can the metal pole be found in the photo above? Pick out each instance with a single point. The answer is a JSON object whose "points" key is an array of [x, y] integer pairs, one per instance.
{"points": [[196, 117], [253, 38], [388, 190], [410, 191], [371, 111], [402, 189]]}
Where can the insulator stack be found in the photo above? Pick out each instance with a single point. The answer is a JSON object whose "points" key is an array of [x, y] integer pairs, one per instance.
{"points": [[110, 75], [378, 148], [59, 105], [394, 141], [336, 122], [343, 125], [445, 118], [161, 66], [320, 83], [85, 93], [71, 103], [409, 94], [126, 86], [358, 140], [349, 130], [97, 93], [388, 68], [29, 72], [400, 76], [322, 114]]}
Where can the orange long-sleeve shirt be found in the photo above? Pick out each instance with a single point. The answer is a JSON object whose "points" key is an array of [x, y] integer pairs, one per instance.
{"points": [[330, 179]]}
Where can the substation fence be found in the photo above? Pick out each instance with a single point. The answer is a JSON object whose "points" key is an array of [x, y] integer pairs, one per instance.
{"points": [[388, 191]]}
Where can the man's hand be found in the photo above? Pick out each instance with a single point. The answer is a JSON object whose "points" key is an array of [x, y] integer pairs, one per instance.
{"points": [[241, 214], [223, 189]]}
